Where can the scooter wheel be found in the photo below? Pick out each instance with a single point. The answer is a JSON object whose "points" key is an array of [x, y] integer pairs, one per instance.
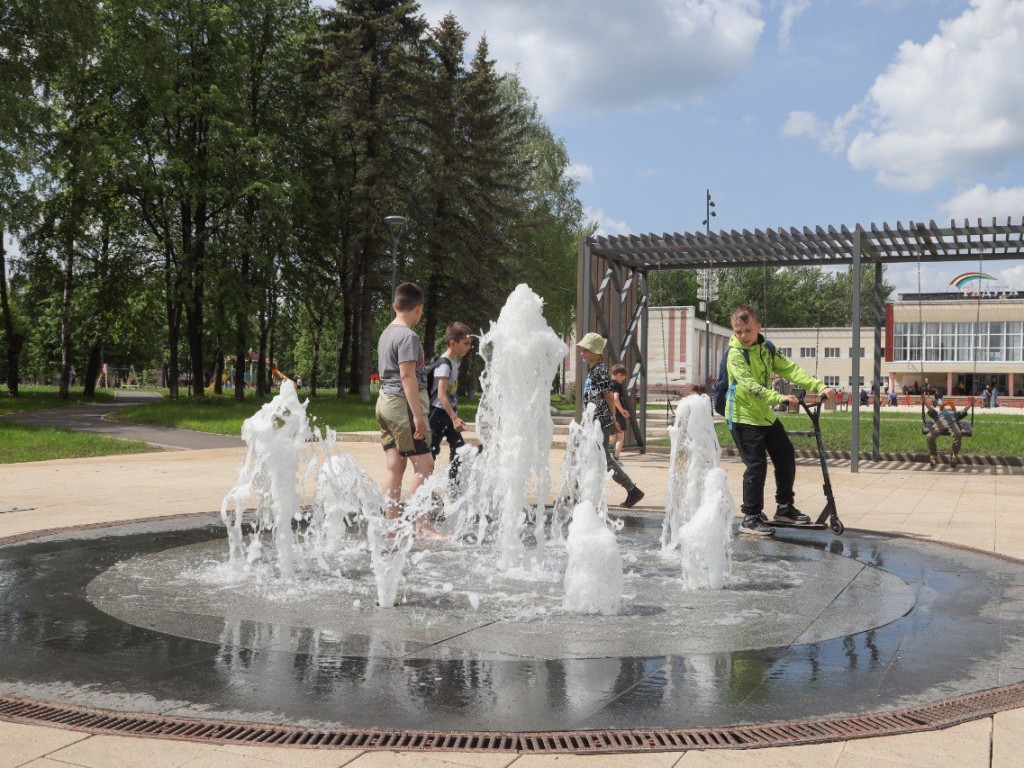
{"points": [[837, 526]]}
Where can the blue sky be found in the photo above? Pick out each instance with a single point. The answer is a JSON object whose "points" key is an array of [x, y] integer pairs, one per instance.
{"points": [[793, 113]]}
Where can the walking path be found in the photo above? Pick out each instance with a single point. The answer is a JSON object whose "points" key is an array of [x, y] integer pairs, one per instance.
{"points": [[93, 419], [976, 507]]}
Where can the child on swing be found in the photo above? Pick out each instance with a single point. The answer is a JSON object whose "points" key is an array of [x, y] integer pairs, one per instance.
{"points": [[945, 422]]}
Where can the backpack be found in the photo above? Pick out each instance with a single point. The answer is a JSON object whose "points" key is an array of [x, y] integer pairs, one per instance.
{"points": [[722, 385], [430, 374]]}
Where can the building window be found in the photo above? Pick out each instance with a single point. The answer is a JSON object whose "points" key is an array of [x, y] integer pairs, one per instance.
{"points": [[808, 352], [785, 351], [831, 351], [861, 384], [831, 381], [851, 352]]}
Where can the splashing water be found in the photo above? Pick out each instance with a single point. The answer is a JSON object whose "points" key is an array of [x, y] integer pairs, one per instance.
{"points": [[593, 576], [276, 436], [695, 450], [705, 541], [698, 505], [514, 424], [584, 472]]}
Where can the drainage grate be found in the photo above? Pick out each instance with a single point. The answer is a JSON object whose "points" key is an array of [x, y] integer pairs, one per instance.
{"points": [[940, 714]]}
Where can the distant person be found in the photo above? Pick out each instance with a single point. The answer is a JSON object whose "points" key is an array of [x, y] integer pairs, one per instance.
{"points": [[755, 428], [445, 422], [893, 398], [994, 396], [403, 404], [598, 390], [621, 412], [945, 422], [986, 397]]}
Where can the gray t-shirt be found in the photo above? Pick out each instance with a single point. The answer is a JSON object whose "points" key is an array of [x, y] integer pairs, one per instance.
{"points": [[399, 344], [446, 369]]}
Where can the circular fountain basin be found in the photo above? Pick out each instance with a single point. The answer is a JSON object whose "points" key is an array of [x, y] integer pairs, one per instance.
{"points": [[143, 618]]}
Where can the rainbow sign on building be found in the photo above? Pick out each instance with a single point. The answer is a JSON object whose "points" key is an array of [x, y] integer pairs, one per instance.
{"points": [[967, 277]]}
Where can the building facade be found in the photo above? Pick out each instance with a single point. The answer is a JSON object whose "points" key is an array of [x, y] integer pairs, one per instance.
{"points": [[968, 341]]}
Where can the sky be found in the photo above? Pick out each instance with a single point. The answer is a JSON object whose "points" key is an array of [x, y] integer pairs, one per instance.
{"points": [[792, 113]]}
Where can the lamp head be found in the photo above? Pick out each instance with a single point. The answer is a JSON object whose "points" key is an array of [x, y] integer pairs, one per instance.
{"points": [[396, 224]]}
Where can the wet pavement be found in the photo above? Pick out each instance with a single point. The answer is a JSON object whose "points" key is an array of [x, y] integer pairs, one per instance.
{"points": [[939, 622]]}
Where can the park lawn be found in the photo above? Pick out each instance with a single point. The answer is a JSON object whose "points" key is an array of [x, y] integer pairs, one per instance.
{"points": [[224, 415], [24, 442], [994, 434], [32, 398]]}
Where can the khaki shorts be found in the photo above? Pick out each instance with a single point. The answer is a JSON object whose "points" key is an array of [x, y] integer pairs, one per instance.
{"points": [[396, 428]]}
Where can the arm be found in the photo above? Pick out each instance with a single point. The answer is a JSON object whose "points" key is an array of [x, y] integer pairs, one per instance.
{"points": [[442, 397], [411, 387], [619, 407]]}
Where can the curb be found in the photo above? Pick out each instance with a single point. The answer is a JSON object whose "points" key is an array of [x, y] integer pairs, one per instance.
{"points": [[922, 458]]}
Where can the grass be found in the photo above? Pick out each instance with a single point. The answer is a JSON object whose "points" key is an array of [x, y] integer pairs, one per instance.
{"points": [[224, 415], [42, 398], [994, 434], [23, 442]]}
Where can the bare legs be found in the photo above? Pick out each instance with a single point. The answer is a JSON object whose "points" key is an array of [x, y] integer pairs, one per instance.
{"points": [[423, 467]]}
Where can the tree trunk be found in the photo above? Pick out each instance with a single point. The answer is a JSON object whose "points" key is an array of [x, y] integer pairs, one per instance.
{"points": [[261, 355], [15, 340], [65, 315], [431, 313], [218, 368], [353, 350], [194, 310], [92, 371], [318, 328]]}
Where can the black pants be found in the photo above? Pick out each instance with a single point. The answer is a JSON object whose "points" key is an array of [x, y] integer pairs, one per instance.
{"points": [[755, 445], [441, 427]]}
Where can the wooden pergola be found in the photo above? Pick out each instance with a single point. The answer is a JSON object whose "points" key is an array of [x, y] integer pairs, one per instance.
{"points": [[613, 293]]}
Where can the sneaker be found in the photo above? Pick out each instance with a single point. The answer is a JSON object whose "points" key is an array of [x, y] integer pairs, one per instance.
{"points": [[754, 527], [790, 515], [932, 461], [634, 495], [763, 518]]}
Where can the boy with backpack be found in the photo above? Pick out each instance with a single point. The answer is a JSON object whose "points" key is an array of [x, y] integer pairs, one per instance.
{"points": [[442, 383], [756, 430]]}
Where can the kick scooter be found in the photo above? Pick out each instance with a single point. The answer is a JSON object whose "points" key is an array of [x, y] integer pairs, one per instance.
{"points": [[829, 513]]}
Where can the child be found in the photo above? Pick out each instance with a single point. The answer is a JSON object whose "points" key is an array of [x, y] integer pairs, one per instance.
{"points": [[621, 414], [755, 428], [444, 418], [402, 404], [944, 422], [598, 390]]}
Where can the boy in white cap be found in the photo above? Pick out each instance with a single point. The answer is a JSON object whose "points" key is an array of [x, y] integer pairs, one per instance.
{"points": [[598, 390]]}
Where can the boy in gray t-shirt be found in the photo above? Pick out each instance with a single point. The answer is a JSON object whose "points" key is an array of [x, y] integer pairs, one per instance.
{"points": [[403, 403]]}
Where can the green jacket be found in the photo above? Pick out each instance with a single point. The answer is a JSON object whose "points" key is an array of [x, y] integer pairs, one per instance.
{"points": [[752, 400]]}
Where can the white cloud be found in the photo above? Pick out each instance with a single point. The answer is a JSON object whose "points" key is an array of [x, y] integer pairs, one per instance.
{"points": [[980, 201], [606, 54], [582, 172], [791, 11], [947, 108], [607, 226]]}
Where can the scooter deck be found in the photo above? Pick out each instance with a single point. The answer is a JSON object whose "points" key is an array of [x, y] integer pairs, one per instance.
{"points": [[812, 526]]}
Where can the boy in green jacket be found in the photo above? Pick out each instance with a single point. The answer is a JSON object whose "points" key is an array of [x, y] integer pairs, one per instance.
{"points": [[755, 428]]}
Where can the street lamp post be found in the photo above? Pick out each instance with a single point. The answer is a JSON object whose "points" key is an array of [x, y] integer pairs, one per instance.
{"points": [[396, 225], [708, 292]]}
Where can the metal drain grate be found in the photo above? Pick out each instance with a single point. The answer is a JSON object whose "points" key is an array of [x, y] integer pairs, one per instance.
{"points": [[940, 714]]}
